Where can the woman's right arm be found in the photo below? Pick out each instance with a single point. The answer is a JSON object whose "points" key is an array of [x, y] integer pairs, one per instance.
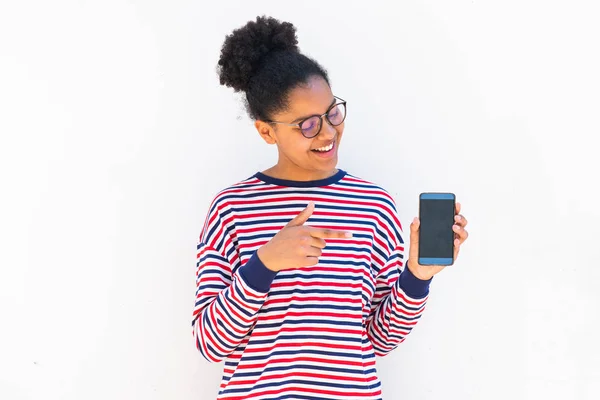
{"points": [[227, 302]]}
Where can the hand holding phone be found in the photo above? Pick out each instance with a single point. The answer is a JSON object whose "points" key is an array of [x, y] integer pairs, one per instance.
{"points": [[437, 235]]}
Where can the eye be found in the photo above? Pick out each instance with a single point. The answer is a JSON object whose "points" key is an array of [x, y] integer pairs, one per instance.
{"points": [[309, 124]]}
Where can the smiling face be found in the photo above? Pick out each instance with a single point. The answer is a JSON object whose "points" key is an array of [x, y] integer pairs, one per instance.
{"points": [[299, 158]]}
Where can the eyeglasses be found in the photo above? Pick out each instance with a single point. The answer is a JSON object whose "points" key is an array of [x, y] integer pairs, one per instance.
{"points": [[311, 126]]}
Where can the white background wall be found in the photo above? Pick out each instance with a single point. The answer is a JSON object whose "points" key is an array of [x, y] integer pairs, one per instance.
{"points": [[115, 135]]}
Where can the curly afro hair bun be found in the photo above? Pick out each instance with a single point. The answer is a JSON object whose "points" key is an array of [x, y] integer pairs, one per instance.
{"points": [[262, 59], [245, 49]]}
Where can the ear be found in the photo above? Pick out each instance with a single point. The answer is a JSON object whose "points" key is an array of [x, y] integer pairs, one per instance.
{"points": [[266, 131]]}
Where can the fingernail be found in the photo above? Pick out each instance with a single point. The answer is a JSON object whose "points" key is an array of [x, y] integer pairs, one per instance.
{"points": [[348, 234]]}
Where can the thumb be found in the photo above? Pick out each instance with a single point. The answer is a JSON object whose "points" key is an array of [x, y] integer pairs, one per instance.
{"points": [[304, 215], [414, 235]]}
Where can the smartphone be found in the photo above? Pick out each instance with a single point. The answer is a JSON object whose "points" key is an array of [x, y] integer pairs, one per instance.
{"points": [[436, 237]]}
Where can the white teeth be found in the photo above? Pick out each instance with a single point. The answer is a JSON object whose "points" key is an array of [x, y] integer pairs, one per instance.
{"points": [[327, 148]]}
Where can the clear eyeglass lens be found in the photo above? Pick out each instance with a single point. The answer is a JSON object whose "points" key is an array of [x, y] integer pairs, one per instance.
{"points": [[311, 126], [337, 114]]}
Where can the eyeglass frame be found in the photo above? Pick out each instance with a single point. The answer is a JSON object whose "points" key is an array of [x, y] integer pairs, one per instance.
{"points": [[299, 124]]}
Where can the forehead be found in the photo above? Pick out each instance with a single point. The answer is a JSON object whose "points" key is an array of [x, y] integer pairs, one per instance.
{"points": [[313, 97]]}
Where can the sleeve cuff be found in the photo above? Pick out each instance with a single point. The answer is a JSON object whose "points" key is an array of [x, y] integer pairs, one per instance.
{"points": [[256, 275], [413, 286]]}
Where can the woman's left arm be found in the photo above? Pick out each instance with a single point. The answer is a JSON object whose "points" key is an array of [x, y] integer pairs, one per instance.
{"points": [[402, 290]]}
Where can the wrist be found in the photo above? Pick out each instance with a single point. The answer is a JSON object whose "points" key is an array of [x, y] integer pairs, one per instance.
{"points": [[264, 258], [419, 272]]}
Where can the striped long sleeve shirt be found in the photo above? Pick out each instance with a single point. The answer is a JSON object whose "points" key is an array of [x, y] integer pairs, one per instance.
{"points": [[310, 332]]}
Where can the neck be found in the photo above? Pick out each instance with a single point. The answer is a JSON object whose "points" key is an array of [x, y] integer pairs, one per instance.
{"points": [[298, 174]]}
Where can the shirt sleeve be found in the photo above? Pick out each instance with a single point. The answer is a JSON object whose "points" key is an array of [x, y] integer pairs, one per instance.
{"points": [[229, 294], [400, 297]]}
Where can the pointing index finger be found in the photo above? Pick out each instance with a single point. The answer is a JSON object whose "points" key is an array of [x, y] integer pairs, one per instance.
{"points": [[329, 233]]}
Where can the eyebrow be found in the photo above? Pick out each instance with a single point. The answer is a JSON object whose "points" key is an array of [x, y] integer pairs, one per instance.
{"points": [[312, 115]]}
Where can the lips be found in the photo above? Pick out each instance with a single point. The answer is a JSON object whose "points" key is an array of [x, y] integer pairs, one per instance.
{"points": [[324, 149], [324, 146], [326, 155]]}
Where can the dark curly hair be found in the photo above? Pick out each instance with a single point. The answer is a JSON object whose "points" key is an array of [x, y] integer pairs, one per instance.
{"points": [[262, 59]]}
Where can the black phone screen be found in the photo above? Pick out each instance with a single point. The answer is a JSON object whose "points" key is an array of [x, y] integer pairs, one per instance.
{"points": [[436, 236]]}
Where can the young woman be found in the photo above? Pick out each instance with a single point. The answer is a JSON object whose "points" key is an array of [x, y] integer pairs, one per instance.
{"points": [[301, 271]]}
